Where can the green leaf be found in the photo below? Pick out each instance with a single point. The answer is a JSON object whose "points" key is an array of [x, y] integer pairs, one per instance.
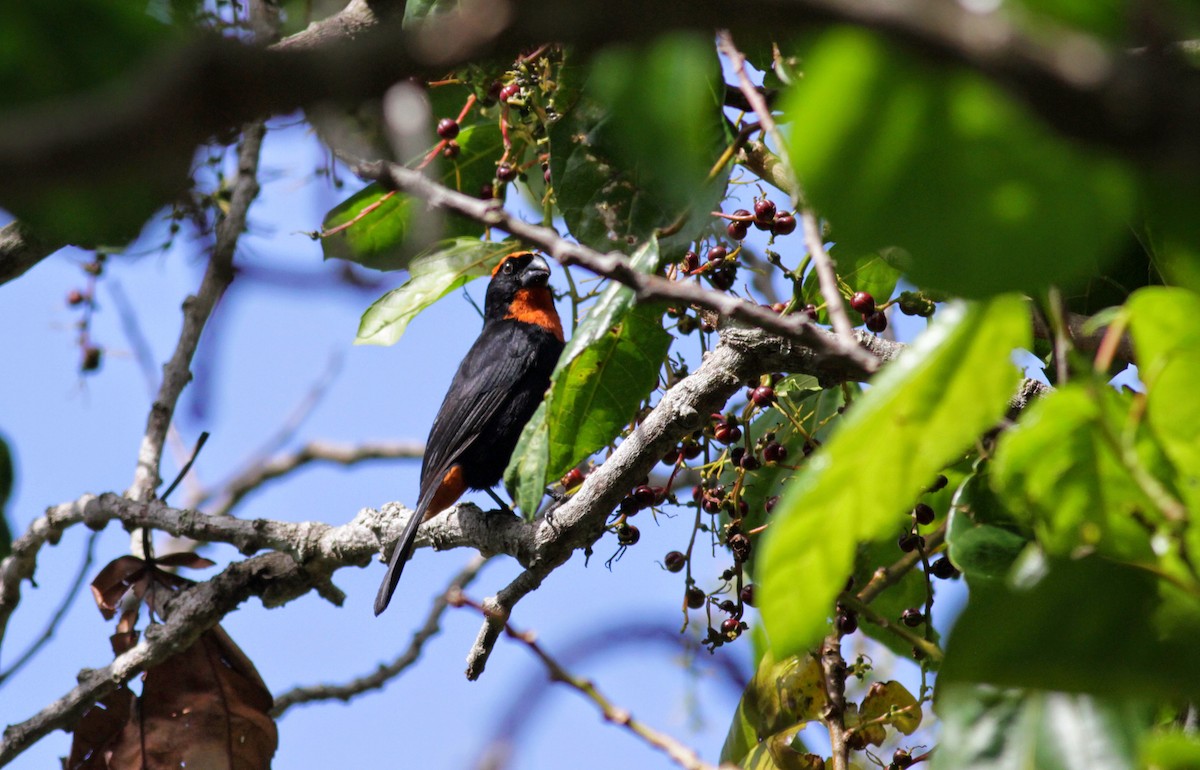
{"points": [[875, 274], [431, 278], [1165, 326], [1088, 625], [982, 537], [940, 163], [416, 11], [1060, 474], [780, 697], [634, 151], [392, 227], [1171, 751], [985, 728], [599, 392], [908, 591], [531, 467], [922, 412]]}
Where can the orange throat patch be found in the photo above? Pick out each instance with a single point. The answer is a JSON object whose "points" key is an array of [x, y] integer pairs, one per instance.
{"points": [[536, 306]]}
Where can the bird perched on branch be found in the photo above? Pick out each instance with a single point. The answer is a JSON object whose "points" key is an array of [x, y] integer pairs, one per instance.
{"points": [[496, 390]]}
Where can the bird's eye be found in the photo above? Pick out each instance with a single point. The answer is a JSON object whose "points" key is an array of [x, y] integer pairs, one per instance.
{"points": [[508, 267]]}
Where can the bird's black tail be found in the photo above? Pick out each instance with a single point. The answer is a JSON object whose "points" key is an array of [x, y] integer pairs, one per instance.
{"points": [[399, 557]]}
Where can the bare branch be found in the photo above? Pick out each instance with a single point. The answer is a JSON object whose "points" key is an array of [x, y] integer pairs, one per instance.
{"points": [[680, 754], [386, 671], [269, 470], [21, 249], [196, 310]]}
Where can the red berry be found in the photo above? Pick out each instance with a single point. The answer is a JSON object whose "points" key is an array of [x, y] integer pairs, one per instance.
{"points": [[695, 598], [509, 91], [691, 262], [451, 150], [863, 302], [717, 253], [737, 230], [573, 478], [505, 172], [674, 561], [764, 213], [785, 224], [644, 496], [779, 307], [774, 452], [770, 503], [747, 595], [763, 395], [811, 312], [75, 297], [876, 322], [727, 434], [731, 627], [447, 128]]}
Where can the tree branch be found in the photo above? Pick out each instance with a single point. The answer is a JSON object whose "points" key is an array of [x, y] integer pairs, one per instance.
{"points": [[196, 310], [386, 671]]}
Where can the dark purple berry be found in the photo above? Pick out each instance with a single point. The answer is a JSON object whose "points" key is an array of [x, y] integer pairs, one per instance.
{"points": [[487, 192], [695, 598], [784, 224], [506, 173], [722, 278], [750, 463], [731, 627], [938, 484], [691, 262], [774, 452], [863, 302], [811, 312], [717, 253], [847, 622], [727, 434], [671, 457], [451, 150], [739, 544], [770, 503], [901, 759], [447, 128], [923, 514], [764, 213], [876, 321], [943, 569], [674, 561], [627, 534], [763, 395], [737, 230], [747, 595], [736, 454], [91, 358], [644, 496], [912, 617], [573, 478], [909, 542]]}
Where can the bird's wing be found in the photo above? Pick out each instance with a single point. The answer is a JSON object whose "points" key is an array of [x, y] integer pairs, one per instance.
{"points": [[482, 384]]}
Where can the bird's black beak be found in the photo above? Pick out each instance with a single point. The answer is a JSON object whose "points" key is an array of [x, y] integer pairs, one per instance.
{"points": [[536, 273]]}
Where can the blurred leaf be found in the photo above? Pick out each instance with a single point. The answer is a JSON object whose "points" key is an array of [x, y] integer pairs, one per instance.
{"points": [[419, 10], [1165, 326], [529, 470], [985, 728], [390, 229], [922, 411], [982, 536], [1088, 625], [941, 164], [633, 152], [108, 39], [1170, 751], [1060, 473], [430, 278], [1168, 228]]}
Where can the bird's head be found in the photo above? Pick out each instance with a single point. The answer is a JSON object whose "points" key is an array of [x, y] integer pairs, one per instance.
{"points": [[520, 290]]}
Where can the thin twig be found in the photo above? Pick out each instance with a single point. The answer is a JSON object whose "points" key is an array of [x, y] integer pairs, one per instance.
{"points": [[833, 669], [928, 648], [196, 311], [67, 600], [680, 754], [386, 671], [826, 276]]}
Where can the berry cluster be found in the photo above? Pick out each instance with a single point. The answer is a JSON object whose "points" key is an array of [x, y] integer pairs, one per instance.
{"points": [[874, 318], [764, 217], [91, 355]]}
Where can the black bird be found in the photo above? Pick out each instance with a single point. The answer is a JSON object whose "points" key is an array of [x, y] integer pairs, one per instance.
{"points": [[496, 390]]}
